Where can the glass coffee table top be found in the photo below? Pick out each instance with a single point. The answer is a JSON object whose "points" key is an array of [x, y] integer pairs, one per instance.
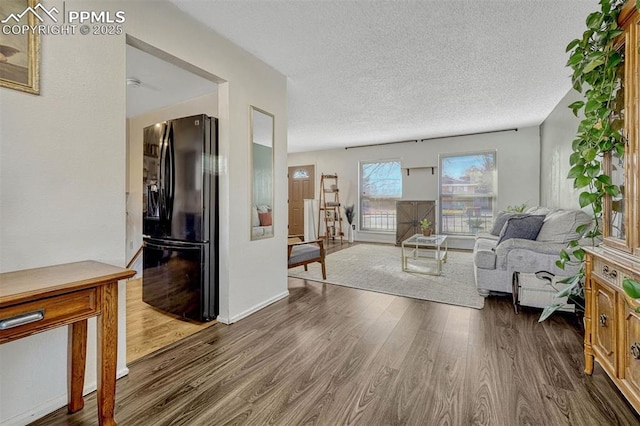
{"points": [[420, 239]]}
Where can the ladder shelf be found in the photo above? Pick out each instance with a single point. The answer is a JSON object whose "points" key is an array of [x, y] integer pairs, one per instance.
{"points": [[329, 207]]}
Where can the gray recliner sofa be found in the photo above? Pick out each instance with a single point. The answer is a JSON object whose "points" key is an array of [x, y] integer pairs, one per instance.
{"points": [[495, 264]]}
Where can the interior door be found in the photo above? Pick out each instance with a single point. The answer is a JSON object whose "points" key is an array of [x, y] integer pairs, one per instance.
{"points": [[301, 187]]}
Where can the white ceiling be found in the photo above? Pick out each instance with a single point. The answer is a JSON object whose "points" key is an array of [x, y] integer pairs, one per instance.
{"points": [[362, 72], [161, 83]]}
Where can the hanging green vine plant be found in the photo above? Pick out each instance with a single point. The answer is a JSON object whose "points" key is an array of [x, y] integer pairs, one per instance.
{"points": [[597, 65], [597, 73]]}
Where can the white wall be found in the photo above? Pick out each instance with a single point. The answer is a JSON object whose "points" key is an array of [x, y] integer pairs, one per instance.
{"points": [[63, 173], [518, 156], [206, 104], [62, 185], [556, 134]]}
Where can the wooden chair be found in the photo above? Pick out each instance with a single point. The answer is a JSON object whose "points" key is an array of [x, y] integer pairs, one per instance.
{"points": [[305, 252]]}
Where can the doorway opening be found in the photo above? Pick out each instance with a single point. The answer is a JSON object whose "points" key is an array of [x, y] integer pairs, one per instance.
{"points": [[160, 87]]}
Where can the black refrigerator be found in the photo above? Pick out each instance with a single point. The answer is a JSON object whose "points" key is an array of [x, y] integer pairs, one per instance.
{"points": [[180, 217]]}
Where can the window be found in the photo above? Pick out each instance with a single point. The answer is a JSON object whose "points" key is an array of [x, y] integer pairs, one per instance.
{"points": [[468, 186], [301, 174], [380, 187]]}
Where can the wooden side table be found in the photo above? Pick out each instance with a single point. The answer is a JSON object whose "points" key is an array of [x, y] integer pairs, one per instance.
{"points": [[41, 299]]}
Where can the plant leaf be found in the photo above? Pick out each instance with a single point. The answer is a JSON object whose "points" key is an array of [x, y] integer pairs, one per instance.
{"points": [[570, 280], [575, 59], [582, 181], [579, 254], [594, 20], [589, 154], [575, 171], [612, 190], [592, 65], [592, 105], [615, 58], [593, 170], [577, 86], [581, 228], [572, 44], [576, 106], [586, 198], [548, 310], [631, 287], [565, 292], [575, 158]]}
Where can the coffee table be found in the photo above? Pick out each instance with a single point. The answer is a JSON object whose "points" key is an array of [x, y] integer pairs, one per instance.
{"points": [[424, 255]]}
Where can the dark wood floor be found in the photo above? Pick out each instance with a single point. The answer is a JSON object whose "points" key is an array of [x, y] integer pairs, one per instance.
{"points": [[331, 355]]}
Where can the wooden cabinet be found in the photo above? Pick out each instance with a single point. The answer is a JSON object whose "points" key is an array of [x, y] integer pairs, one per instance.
{"points": [[408, 217], [612, 325]]}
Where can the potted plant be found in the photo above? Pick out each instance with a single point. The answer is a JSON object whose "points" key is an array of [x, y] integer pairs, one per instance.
{"points": [[518, 208], [425, 224], [476, 224]]}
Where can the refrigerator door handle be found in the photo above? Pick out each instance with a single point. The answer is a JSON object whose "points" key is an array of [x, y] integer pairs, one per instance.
{"points": [[171, 173], [165, 179], [170, 246], [162, 194]]}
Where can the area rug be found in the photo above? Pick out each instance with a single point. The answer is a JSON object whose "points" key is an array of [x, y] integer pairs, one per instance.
{"points": [[378, 268]]}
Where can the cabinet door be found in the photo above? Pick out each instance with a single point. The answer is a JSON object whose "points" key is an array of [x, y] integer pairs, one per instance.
{"points": [[405, 220], [426, 210], [604, 325], [631, 352]]}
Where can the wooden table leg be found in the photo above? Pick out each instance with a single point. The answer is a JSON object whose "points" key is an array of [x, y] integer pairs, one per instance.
{"points": [[588, 347], [107, 353], [589, 307], [77, 354]]}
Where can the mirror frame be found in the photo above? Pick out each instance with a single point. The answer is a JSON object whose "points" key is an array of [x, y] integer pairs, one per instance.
{"points": [[252, 111]]}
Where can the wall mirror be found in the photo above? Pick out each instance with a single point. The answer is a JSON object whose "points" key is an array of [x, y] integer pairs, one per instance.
{"points": [[261, 134]]}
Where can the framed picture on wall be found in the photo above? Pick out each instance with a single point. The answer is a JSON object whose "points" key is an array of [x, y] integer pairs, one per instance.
{"points": [[19, 47]]}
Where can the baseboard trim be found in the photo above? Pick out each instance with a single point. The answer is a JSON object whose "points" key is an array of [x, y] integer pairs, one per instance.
{"points": [[53, 404], [256, 308], [223, 320]]}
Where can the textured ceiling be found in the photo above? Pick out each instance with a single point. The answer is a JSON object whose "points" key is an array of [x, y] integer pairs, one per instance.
{"points": [[161, 83], [363, 72]]}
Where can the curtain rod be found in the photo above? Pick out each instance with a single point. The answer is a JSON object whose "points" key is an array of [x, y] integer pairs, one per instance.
{"points": [[430, 139]]}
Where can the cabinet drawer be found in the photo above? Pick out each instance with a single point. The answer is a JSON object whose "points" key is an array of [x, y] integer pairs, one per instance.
{"points": [[610, 272], [604, 325], [32, 317]]}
